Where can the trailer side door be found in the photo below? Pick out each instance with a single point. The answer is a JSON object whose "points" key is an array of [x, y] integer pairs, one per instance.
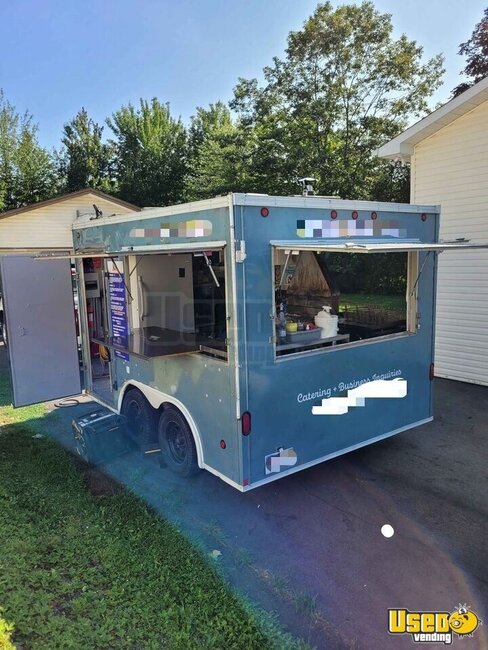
{"points": [[41, 334]]}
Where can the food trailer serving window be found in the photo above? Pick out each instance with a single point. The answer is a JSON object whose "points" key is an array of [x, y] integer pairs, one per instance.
{"points": [[159, 302], [339, 294], [334, 295], [179, 301]]}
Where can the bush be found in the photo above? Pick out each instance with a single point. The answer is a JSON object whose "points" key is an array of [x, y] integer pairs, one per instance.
{"points": [[6, 630]]}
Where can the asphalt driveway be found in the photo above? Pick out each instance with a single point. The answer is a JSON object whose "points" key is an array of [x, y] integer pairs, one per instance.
{"points": [[309, 547]]}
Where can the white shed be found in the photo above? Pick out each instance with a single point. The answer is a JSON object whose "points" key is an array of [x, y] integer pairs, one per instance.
{"points": [[448, 154], [47, 225]]}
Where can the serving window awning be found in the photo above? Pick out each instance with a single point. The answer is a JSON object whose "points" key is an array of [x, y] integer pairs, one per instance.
{"points": [[191, 247], [51, 255], [375, 247], [181, 247]]}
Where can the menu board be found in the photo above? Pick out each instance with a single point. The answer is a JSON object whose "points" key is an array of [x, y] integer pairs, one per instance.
{"points": [[118, 309]]}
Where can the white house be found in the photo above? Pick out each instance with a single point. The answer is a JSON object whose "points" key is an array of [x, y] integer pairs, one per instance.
{"points": [[448, 154]]}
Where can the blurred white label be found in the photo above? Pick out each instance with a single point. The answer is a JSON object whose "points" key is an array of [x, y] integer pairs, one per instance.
{"points": [[378, 389]]}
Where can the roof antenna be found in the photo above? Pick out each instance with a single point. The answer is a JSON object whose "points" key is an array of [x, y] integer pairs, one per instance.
{"points": [[98, 212], [307, 187]]}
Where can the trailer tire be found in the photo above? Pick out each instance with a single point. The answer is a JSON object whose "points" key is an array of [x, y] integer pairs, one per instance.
{"points": [[178, 449], [141, 418]]}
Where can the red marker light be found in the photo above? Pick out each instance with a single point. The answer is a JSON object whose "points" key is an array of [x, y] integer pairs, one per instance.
{"points": [[223, 444], [264, 212], [374, 215], [423, 216], [246, 423], [355, 215], [333, 214]]}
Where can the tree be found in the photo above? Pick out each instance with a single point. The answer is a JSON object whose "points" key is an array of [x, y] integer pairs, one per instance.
{"points": [[27, 172], [344, 86], [475, 50], [217, 155], [86, 161], [391, 183], [151, 152]]}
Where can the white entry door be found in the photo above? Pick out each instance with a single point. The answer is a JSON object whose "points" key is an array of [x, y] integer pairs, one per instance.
{"points": [[41, 334]]}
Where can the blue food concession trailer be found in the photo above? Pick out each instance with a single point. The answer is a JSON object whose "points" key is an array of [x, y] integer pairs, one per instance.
{"points": [[255, 335]]}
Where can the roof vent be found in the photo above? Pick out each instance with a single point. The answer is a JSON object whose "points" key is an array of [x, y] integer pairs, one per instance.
{"points": [[307, 187]]}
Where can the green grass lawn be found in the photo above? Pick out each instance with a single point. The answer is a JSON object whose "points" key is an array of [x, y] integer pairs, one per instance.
{"points": [[87, 572], [351, 300]]}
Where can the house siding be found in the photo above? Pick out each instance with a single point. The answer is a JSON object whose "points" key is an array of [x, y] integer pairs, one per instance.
{"points": [[50, 226], [450, 168]]}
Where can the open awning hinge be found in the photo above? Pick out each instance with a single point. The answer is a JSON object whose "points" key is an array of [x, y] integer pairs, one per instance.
{"points": [[240, 251]]}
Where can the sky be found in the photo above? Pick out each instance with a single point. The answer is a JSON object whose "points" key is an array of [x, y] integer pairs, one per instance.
{"points": [[59, 55]]}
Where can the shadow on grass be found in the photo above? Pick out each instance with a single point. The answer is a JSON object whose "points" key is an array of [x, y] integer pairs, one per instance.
{"points": [[181, 502], [5, 386], [88, 563], [98, 567]]}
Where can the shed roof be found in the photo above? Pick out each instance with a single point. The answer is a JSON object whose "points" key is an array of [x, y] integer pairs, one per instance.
{"points": [[402, 146], [66, 197]]}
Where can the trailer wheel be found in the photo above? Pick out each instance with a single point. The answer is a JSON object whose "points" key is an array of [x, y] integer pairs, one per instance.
{"points": [[141, 417], [176, 441]]}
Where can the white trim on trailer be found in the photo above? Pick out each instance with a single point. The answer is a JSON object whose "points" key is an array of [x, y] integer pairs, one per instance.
{"points": [[33, 251], [224, 478], [156, 397], [141, 250], [69, 256], [335, 454], [390, 247], [83, 326], [256, 200], [337, 349], [154, 213], [327, 203], [165, 247], [244, 302], [278, 475], [100, 401], [235, 327], [185, 411]]}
